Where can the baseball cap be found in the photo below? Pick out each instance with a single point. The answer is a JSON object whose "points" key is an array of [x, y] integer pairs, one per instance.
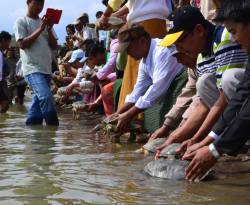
{"points": [[182, 19], [127, 34], [76, 55], [76, 22], [83, 15]]}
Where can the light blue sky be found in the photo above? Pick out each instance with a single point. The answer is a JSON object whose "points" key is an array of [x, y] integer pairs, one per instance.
{"points": [[12, 9]]}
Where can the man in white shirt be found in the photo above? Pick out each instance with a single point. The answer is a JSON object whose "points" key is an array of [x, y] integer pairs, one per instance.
{"points": [[88, 29], [157, 70]]}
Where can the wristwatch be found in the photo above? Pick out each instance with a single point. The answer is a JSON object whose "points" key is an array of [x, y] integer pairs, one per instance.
{"points": [[214, 151]]}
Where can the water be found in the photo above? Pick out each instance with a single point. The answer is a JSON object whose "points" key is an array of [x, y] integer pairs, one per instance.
{"points": [[70, 165]]}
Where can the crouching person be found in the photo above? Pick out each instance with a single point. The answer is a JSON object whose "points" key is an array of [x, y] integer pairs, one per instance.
{"points": [[221, 64], [157, 70], [185, 102], [77, 61], [82, 84], [231, 131]]}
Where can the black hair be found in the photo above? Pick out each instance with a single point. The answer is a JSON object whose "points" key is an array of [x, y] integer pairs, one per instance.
{"points": [[87, 42], [93, 49], [114, 33], [234, 10], [105, 2], [98, 13], [85, 17], [71, 27], [40, 1], [124, 2], [5, 36]]}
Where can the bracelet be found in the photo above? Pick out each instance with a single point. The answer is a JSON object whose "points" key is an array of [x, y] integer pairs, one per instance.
{"points": [[214, 151]]}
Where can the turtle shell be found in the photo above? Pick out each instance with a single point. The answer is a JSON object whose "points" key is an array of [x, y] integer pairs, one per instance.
{"points": [[167, 169], [79, 105], [170, 150], [98, 127], [152, 145], [111, 120]]}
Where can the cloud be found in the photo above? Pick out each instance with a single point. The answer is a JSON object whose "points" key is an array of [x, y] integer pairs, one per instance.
{"points": [[11, 10]]}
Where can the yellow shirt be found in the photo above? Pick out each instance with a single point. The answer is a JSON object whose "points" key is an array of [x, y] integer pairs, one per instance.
{"points": [[115, 4]]}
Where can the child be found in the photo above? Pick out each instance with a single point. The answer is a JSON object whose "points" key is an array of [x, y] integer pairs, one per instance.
{"points": [[36, 39]]}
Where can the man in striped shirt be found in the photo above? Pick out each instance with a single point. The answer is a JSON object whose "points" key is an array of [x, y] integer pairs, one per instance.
{"points": [[220, 64]]}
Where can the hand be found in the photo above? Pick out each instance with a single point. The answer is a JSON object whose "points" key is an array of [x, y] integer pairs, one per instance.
{"points": [[91, 107], [43, 23], [49, 25], [72, 37], [113, 119], [94, 78], [191, 151], [163, 146], [201, 163], [123, 121], [69, 89], [159, 133], [104, 22], [184, 146]]}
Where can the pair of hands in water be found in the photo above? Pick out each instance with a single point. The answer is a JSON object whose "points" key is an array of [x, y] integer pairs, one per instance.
{"points": [[123, 120], [201, 158]]}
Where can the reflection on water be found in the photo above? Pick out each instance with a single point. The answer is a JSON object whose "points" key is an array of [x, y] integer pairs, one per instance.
{"points": [[70, 165]]}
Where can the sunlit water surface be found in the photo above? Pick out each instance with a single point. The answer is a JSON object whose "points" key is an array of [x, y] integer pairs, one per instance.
{"points": [[70, 165]]}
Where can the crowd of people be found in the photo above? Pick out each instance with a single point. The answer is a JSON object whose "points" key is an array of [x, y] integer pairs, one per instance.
{"points": [[126, 62]]}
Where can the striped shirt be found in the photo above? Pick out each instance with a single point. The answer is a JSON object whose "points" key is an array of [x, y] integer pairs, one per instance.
{"points": [[223, 54]]}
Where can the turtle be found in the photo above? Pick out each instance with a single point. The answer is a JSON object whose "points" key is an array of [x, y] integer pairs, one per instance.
{"points": [[170, 151], [151, 146], [132, 134], [109, 128], [167, 169], [57, 98], [172, 169], [142, 138], [111, 120], [61, 91], [99, 127], [76, 107]]}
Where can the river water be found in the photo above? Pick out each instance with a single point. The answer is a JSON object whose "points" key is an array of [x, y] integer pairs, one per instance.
{"points": [[70, 165]]}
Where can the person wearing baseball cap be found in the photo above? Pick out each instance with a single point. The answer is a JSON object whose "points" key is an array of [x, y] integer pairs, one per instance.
{"points": [[95, 57], [220, 66], [77, 55], [181, 22], [88, 29], [157, 70]]}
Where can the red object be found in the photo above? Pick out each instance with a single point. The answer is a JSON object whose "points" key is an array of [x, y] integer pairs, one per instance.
{"points": [[54, 15], [108, 99]]}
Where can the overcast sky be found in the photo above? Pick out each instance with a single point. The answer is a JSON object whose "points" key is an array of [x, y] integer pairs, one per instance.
{"points": [[12, 9]]}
